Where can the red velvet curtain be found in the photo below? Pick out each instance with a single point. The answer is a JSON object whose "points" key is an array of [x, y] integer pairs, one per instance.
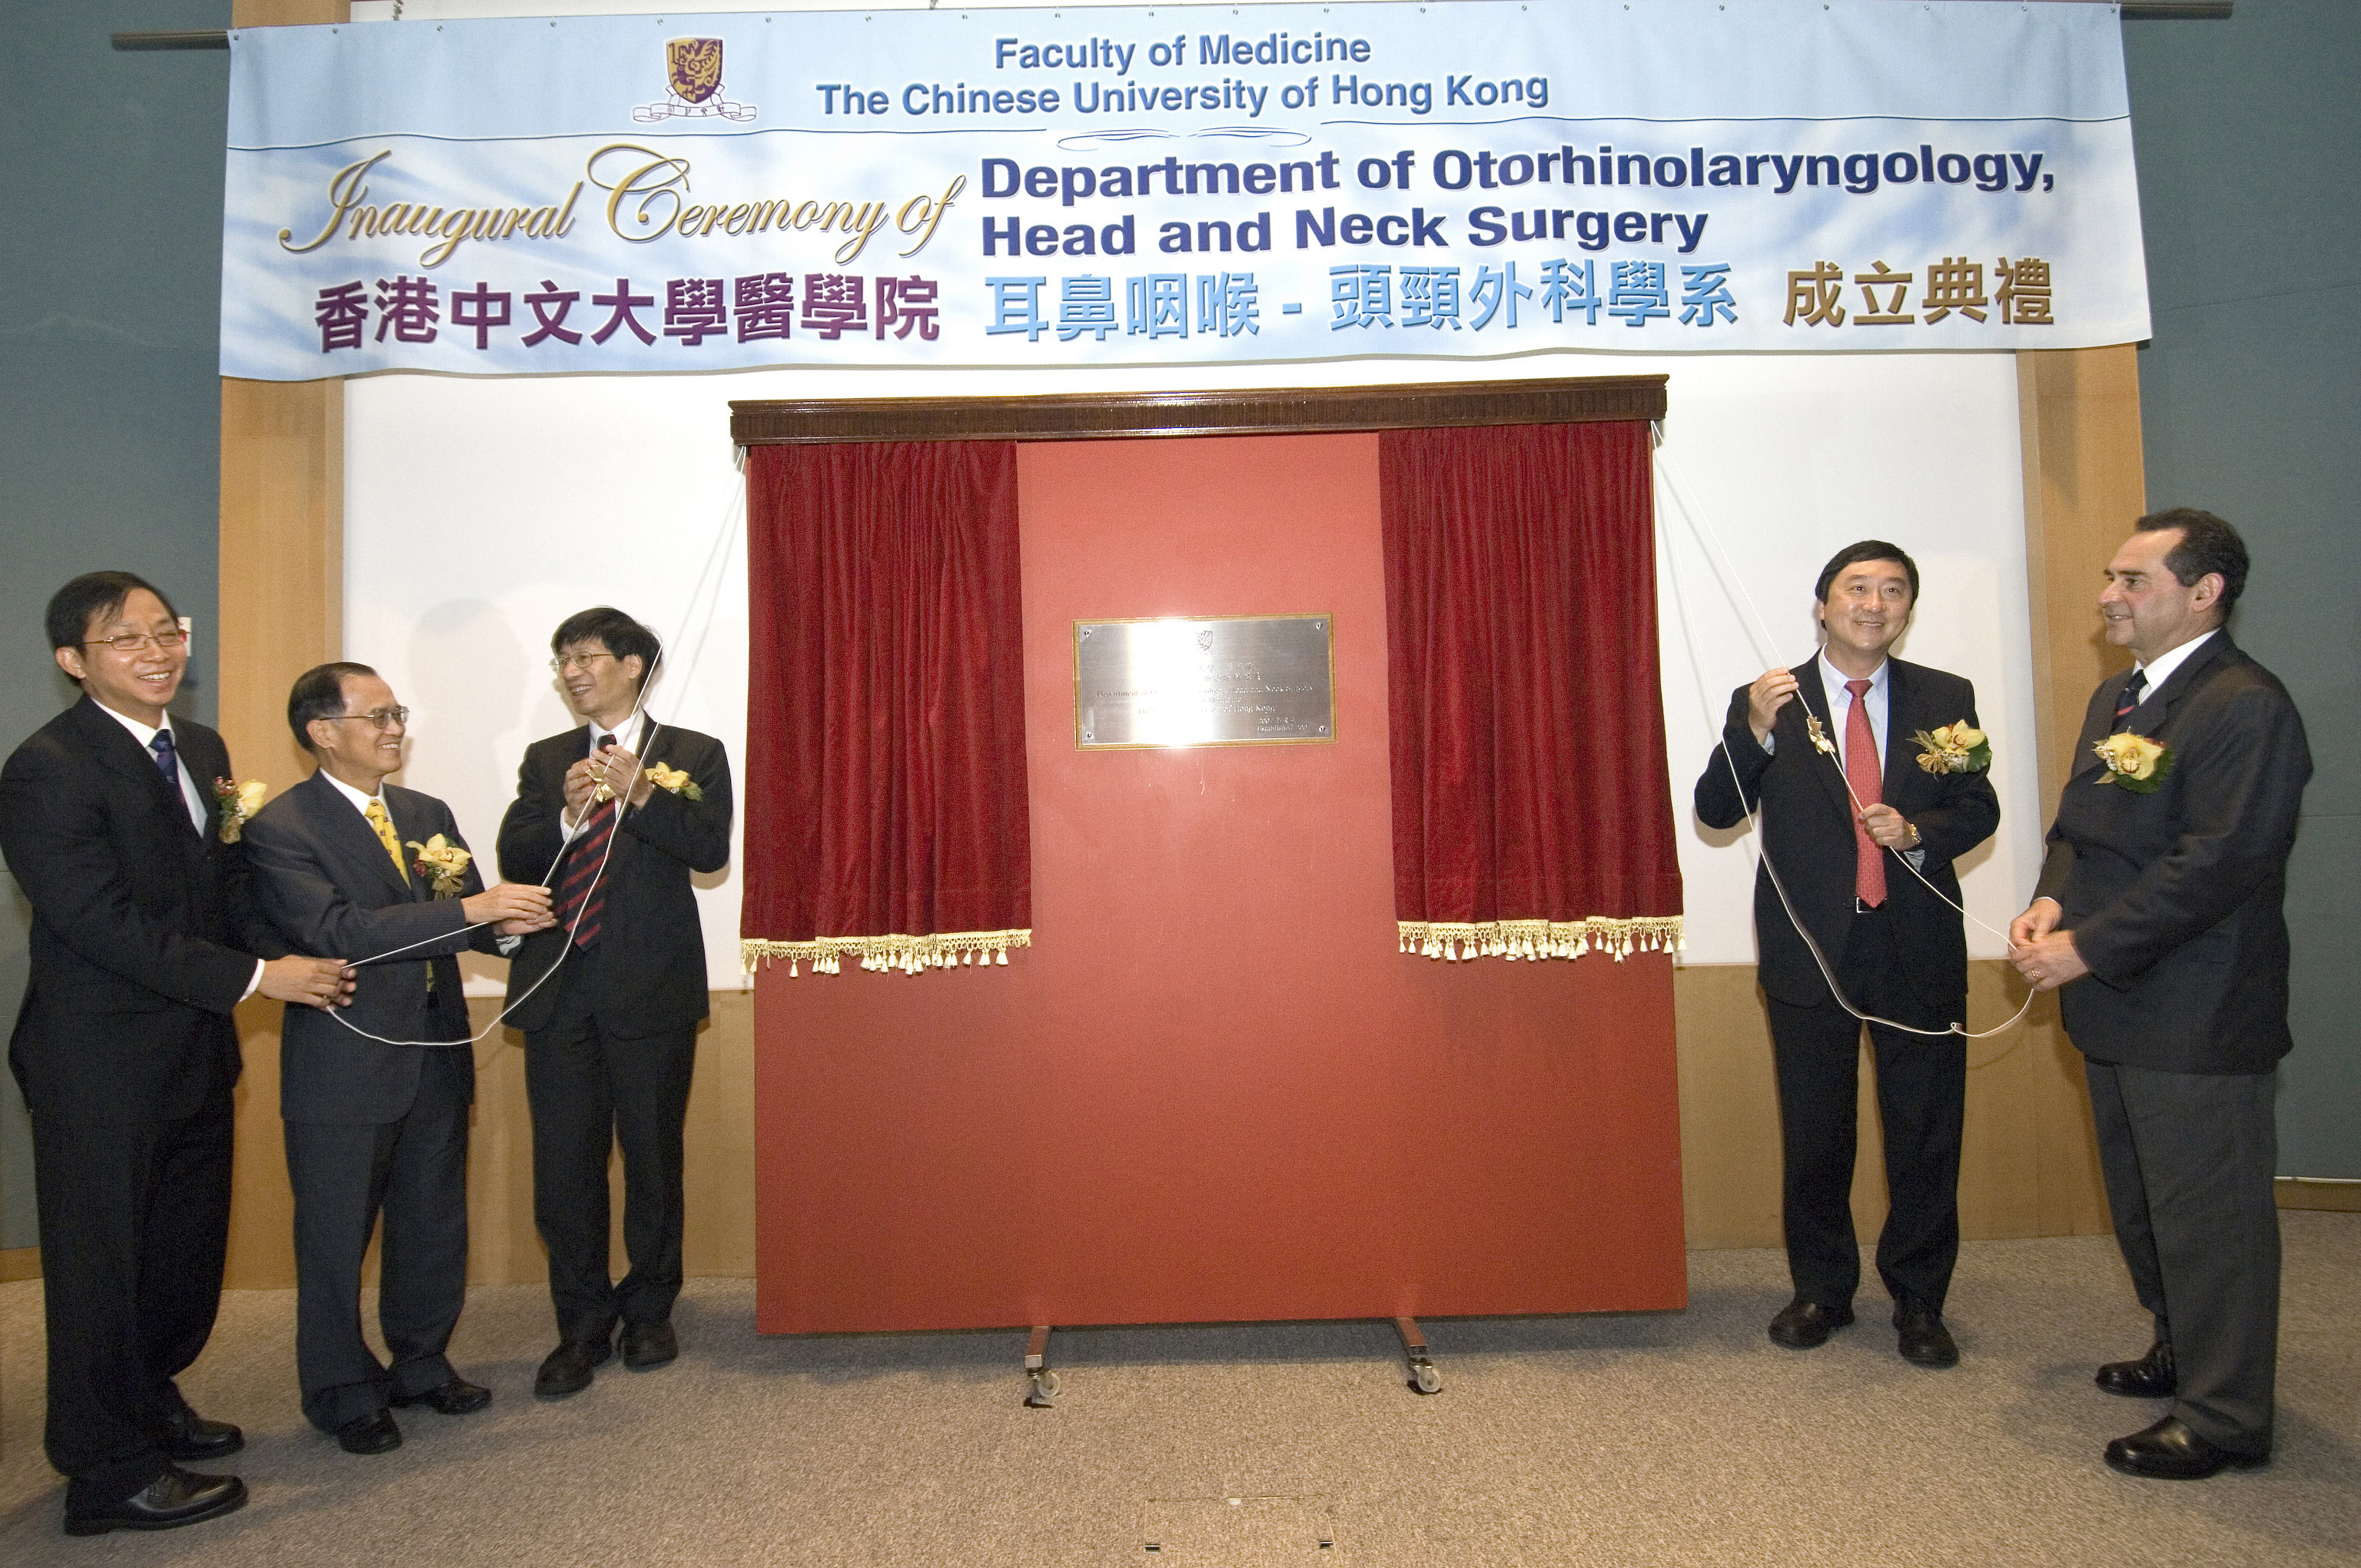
{"points": [[885, 813], [1532, 814]]}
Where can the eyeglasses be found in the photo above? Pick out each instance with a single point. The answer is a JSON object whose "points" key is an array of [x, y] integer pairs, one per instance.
{"points": [[132, 642], [559, 666], [379, 718]]}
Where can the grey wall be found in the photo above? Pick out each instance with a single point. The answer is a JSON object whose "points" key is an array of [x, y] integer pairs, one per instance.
{"points": [[110, 390], [2250, 398]]}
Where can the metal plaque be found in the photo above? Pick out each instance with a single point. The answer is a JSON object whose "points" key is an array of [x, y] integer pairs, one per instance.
{"points": [[1233, 680]]}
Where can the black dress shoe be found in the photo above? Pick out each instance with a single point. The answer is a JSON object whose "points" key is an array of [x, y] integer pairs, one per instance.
{"points": [[188, 1436], [456, 1397], [566, 1370], [174, 1499], [1802, 1324], [2150, 1378], [1923, 1340], [648, 1344], [371, 1434], [2169, 1450]]}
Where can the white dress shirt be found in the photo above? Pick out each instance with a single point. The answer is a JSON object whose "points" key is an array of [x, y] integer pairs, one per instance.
{"points": [[2161, 670]]}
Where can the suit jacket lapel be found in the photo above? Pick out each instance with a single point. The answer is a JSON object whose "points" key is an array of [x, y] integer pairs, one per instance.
{"points": [[2098, 721], [406, 828], [1902, 718], [114, 748], [350, 833], [1830, 771], [2192, 670]]}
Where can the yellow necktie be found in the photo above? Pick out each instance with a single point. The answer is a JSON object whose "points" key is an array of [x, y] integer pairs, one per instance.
{"points": [[375, 811]]}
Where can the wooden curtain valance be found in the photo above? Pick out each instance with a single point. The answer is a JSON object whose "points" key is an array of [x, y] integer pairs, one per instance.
{"points": [[1105, 416]]}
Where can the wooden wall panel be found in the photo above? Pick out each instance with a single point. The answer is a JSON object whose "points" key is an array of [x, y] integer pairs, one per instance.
{"points": [[286, 13], [2079, 425], [2029, 1167]]}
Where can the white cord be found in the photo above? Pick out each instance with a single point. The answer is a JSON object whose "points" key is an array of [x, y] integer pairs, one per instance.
{"points": [[622, 798], [1753, 813]]}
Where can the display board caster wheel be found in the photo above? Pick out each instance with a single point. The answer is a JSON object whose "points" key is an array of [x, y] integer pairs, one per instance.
{"points": [[1040, 1383], [1423, 1378]]}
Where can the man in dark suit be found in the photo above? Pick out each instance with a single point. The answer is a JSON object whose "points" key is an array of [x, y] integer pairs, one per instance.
{"points": [[375, 1099], [618, 815], [1875, 889], [2159, 913], [143, 941]]}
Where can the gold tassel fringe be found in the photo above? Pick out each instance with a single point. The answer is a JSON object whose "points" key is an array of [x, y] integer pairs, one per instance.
{"points": [[1512, 939], [944, 950]]}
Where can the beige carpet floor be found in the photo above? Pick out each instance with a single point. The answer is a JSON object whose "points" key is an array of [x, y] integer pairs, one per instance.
{"points": [[1660, 1439]]}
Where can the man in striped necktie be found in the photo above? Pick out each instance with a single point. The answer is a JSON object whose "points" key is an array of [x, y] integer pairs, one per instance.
{"points": [[618, 812]]}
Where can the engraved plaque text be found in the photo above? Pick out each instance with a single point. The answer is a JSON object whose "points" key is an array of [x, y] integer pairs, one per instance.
{"points": [[1221, 680]]}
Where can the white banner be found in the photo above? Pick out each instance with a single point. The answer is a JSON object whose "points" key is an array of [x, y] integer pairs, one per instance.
{"points": [[1465, 179]]}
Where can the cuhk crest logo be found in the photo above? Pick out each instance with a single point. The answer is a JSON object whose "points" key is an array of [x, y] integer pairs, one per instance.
{"points": [[693, 74]]}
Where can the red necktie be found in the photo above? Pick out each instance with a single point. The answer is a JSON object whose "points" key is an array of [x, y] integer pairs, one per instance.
{"points": [[1863, 772], [582, 893]]}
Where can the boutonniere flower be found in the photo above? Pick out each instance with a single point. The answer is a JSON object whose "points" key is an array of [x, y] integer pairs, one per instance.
{"points": [[1820, 740], [2134, 761], [676, 780], [444, 863], [238, 803], [1956, 747]]}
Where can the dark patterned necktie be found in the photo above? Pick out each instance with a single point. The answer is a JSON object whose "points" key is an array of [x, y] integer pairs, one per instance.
{"points": [[168, 762], [2129, 700], [582, 893]]}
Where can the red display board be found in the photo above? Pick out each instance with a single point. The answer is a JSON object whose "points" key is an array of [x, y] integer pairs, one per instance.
{"points": [[1212, 1090]]}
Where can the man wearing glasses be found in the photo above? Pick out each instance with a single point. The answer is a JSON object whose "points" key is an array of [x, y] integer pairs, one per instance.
{"points": [[615, 814], [375, 1099], [144, 939]]}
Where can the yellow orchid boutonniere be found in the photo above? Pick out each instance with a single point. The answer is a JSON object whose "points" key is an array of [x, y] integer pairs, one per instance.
{"points": [[238, 803], [2134, 761], [443, 862], [1955, 747], [676, 780]]}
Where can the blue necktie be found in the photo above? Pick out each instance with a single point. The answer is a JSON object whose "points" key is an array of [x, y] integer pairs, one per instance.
{"points": [[167, 763], [2129, 700]]}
